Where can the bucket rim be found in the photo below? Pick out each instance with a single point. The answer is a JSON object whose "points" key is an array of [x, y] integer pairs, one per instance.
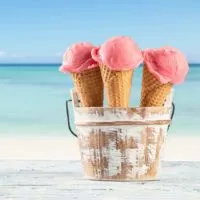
{"points": [[136, 108]]}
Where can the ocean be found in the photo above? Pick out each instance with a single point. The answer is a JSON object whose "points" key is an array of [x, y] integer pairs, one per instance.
{"points": [[32, 101]]}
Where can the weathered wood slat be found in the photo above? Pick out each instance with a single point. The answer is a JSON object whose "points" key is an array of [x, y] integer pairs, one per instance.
{"points": [[63, 180], [123, 123]]}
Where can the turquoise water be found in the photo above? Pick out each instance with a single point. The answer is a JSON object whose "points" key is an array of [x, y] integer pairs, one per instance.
{"points": [[32, 101]]}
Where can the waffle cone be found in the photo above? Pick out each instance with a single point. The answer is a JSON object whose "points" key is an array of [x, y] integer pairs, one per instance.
{"points": [[89, 86], [117, 85], [153, 93]]}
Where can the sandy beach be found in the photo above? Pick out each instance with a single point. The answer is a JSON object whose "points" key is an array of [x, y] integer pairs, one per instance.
{"points": [[65, 148]]}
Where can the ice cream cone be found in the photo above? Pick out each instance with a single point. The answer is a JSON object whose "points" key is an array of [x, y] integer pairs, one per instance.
{"points": [[163, 68], [154, 93], [86, 74], [117, 58], [117, 85], [89, 86]]}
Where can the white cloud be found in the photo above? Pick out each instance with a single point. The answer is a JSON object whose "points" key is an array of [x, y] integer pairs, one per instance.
{"points": [[14, 56], [2, 53], [17, 56], [59, 54]]}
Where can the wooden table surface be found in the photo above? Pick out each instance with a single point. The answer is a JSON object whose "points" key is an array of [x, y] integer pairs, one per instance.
{"points": [[64, 180]]}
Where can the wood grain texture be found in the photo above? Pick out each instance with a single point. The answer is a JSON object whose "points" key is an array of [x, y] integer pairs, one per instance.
{"points": [[63, 180]]}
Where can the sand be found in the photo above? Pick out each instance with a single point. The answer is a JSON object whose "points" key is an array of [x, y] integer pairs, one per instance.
{"points": [[65, 148]]}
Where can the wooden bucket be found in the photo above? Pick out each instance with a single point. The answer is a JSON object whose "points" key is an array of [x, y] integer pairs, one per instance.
{"points": [[122, 144]]}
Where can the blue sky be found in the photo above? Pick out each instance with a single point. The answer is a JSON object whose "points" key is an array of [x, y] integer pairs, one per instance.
{"points": [[41, 30]]}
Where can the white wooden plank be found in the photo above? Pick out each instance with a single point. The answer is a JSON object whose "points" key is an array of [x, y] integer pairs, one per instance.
{"points": [[64, 180]]}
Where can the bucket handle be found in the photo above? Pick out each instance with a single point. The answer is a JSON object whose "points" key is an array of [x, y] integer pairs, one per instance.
{"points": [[172, 115], [68, 118], [74, 134]]}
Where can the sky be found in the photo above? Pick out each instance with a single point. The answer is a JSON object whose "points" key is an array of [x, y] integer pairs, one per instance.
{"points": [[41, 30]]}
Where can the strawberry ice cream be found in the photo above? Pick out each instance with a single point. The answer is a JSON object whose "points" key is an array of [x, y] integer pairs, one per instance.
{"points": [[167, 64], [118, 54], [78, 58]]}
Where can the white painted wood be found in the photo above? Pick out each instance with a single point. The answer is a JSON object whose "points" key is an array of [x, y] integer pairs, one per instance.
{"points": [[75, 99], [63, 180], [84, 114]]}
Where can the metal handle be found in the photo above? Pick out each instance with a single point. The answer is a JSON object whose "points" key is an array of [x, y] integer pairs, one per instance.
{"points": [[172, 115], [68, 118]]}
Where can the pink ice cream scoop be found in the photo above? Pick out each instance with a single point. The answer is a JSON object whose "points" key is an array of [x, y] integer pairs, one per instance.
{"points": [[119, 54], [167, 64], [78, 58]]}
